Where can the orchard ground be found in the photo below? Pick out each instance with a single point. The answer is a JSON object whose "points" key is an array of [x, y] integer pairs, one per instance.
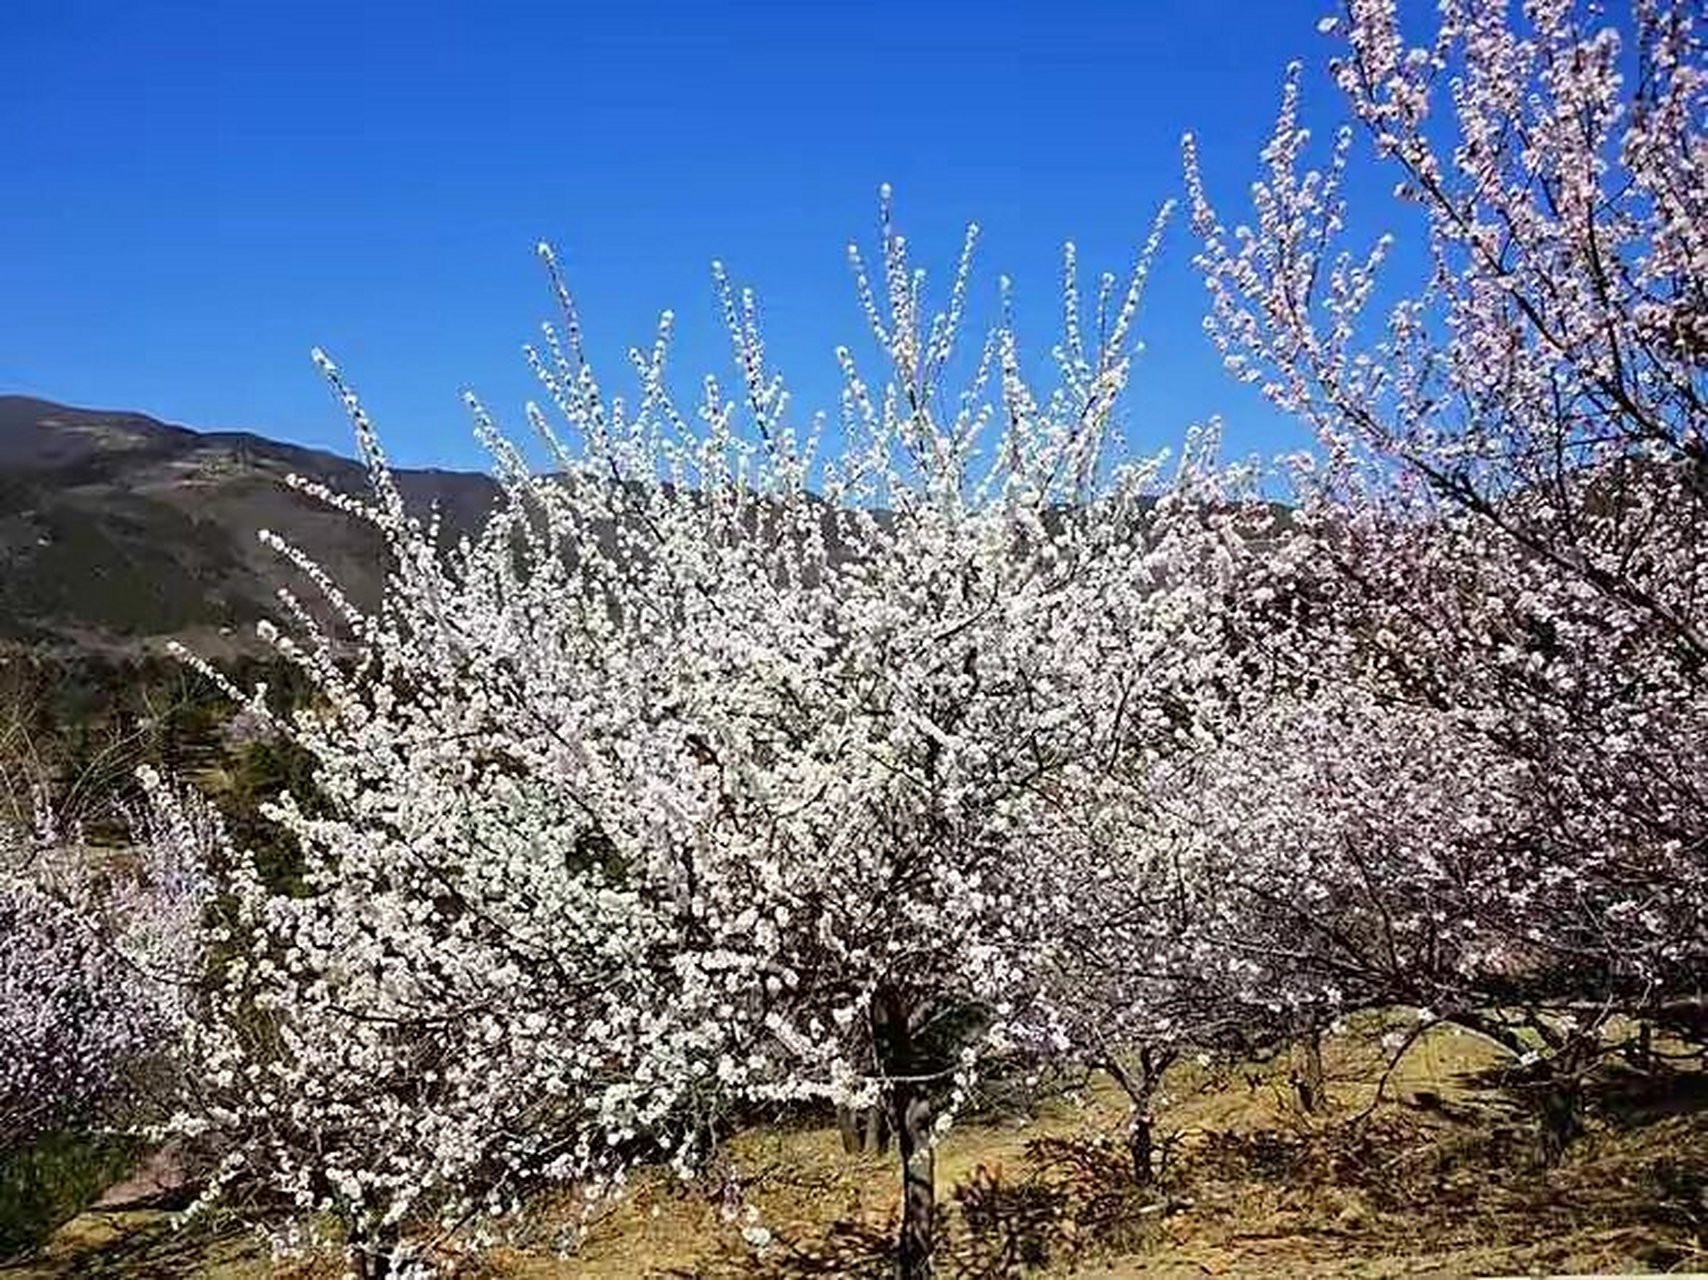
{"points": [[1437, 1178]]}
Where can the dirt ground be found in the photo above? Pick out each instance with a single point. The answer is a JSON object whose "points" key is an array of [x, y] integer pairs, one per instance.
{"points": [[1439, 1178]]}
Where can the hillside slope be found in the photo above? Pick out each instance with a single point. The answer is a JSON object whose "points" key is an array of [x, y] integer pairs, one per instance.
{"points": [[118, 532]]}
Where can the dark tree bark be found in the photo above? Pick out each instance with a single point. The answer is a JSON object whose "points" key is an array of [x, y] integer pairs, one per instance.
{"points": [[1562, 1114], [1554, 1081], [1140, 1146], [1139, 1082], [1309, 1079], [371, 1253], [1561, 1077], [899, 1058], [863, 1130], [1640, 1052], [848, 1123], [919, 1188], [877, 1130]]}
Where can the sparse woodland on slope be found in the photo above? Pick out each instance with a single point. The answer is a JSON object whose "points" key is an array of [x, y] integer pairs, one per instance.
{"points": [[118, 532]]}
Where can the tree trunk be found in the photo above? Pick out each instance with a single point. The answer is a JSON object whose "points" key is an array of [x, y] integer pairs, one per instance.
{"points": [[1561, 1102], [371, 1254], [877, 1130], [1140, 1085], [1140, 1145], [1556, 1083], [1562, 1113], [910, 1117], [1309, 1079], [849, 1125], [918, 1172], [1640, 1053], [864, 1130]]}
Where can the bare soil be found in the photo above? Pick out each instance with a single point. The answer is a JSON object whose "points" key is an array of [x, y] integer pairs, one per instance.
{"points": [[1440, 1177]]}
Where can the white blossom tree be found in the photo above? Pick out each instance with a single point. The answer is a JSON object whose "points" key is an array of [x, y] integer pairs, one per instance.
{"points": [[1138, 967], [711, 773]]}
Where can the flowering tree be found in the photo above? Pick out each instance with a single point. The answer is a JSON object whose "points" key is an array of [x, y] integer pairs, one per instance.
{"points": [[473, 991], [1509, 516], [1137, 967], [101, 946], [685, 787]]}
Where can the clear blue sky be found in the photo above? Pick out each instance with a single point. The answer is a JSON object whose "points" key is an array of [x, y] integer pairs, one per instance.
{"points": [[197, 193]]}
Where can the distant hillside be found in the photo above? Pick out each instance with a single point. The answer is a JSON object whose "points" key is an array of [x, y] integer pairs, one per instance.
{"points": [[118, 532]]}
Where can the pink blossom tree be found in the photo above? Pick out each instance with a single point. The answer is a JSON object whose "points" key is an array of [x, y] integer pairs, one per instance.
{"points": [[1508, 514]]}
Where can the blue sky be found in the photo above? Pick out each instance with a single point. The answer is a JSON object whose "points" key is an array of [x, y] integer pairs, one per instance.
{"points": [[198, 193]]}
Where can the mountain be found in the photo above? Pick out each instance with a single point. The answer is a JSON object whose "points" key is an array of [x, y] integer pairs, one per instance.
{"points": [[119, 532]]}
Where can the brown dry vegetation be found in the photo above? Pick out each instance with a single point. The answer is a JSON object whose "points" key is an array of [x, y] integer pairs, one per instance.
{"points": [[1438, 1178]]}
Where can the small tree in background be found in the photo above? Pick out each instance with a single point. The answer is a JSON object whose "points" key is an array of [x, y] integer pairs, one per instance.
{"points": [[103, 947]]}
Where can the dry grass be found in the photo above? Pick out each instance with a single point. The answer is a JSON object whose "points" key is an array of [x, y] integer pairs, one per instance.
{"points": [[1437, 1179]]}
